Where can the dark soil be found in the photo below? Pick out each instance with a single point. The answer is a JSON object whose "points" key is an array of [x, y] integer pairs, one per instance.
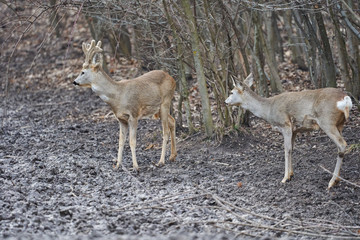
{"points": [[57, 178], [58, 144]]}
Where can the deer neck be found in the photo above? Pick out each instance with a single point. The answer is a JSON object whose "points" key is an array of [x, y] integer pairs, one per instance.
{"points": [[256, 104], [104, 87]]}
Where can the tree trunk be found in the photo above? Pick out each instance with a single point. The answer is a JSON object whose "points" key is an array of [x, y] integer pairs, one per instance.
{"points": [[237, 34], [275, 82], [296, 56], [184, 88], [258, 60], [313, 43], [329, 66], [270, 36], [97, 33], [343, 56], [195, 44], [354, 43], [279, 46]]}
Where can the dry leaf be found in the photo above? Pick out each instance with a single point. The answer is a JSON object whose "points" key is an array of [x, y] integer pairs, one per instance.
{"points": [[150, 146]]}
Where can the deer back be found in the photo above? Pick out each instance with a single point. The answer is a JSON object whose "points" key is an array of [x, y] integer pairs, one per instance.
{"points": [[320, 104], [143, 96]]}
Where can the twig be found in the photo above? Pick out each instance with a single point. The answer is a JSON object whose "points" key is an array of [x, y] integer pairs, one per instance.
{"points": [[188, 137], [354, 184], [149, 193], [236, 207], [312, 227], [72, 191], [224, 164], [156, 200], [8, 65], [285, 230]]}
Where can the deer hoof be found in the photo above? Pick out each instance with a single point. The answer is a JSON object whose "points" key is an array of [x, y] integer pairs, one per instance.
{"points": [[135, 169], [333, 182], [160, 164], [116, 167], [285, 179], [173, 157]]}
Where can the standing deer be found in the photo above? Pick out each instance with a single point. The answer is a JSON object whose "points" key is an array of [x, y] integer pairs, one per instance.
{"points": [[131, 100], [295, 112]]}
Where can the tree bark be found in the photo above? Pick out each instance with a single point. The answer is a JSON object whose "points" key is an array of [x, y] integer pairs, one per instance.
{"points": [[196, 50], [354, 43], [296, 56], [329, 66], [184, 88], [259, 64], [342, 53], [275, 82]]}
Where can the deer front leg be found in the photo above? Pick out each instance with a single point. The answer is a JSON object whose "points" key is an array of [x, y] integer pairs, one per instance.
{"points": [[288, 140], [172, 124], [132, 142], [122, 138]]}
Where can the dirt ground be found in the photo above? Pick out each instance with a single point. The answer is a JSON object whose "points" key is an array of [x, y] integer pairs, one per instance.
{"points": [[57, 149], [57, 178]]}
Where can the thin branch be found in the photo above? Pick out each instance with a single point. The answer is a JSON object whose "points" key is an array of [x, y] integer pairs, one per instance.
{"points": [[353, 184], [9, 60]]}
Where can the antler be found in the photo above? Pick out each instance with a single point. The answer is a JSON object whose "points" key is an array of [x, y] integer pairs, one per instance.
{"points": [[90, 50]]}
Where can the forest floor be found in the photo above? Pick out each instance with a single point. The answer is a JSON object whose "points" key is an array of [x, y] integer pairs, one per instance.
{"points": [[58, 144]]}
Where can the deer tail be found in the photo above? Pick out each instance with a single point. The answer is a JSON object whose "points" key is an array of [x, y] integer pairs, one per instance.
{"points": [[345, 106]]}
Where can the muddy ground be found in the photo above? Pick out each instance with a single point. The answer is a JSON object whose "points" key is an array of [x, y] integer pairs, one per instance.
{"points": [[57, 179], [58, 143]]}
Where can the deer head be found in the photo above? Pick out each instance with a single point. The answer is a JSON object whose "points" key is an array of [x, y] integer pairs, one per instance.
{"points": [[237, 96], [91, 66]]}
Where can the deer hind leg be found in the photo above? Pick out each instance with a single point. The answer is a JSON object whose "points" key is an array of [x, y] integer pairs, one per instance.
{"points": [[335, 135], [288, 141], [172, 125], [164, 111], [293, 137], [132, 142], [122, 138]]}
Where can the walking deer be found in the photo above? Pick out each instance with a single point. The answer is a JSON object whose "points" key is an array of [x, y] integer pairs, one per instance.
{"points": [[131, 100], [295, 112]]}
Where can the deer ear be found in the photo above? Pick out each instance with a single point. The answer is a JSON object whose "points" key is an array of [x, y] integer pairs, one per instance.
{"points": [[249, 80], [96, 67]]}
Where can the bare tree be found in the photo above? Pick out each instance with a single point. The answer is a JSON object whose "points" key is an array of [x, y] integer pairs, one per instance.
{"points": [[196, 50]]}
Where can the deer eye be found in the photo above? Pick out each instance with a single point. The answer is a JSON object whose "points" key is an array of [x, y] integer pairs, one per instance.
{"points": [[82, 73]]}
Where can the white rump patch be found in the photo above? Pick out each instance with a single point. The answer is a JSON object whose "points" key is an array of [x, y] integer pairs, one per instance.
{"points": [[345, 103]]}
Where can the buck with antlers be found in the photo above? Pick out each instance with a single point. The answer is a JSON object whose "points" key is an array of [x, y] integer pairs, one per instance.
{"points": [[295, 112], [131, 100]]}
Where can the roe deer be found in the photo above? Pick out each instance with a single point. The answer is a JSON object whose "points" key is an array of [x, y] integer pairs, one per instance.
{"points": [[294, 112], [130, 100]]}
